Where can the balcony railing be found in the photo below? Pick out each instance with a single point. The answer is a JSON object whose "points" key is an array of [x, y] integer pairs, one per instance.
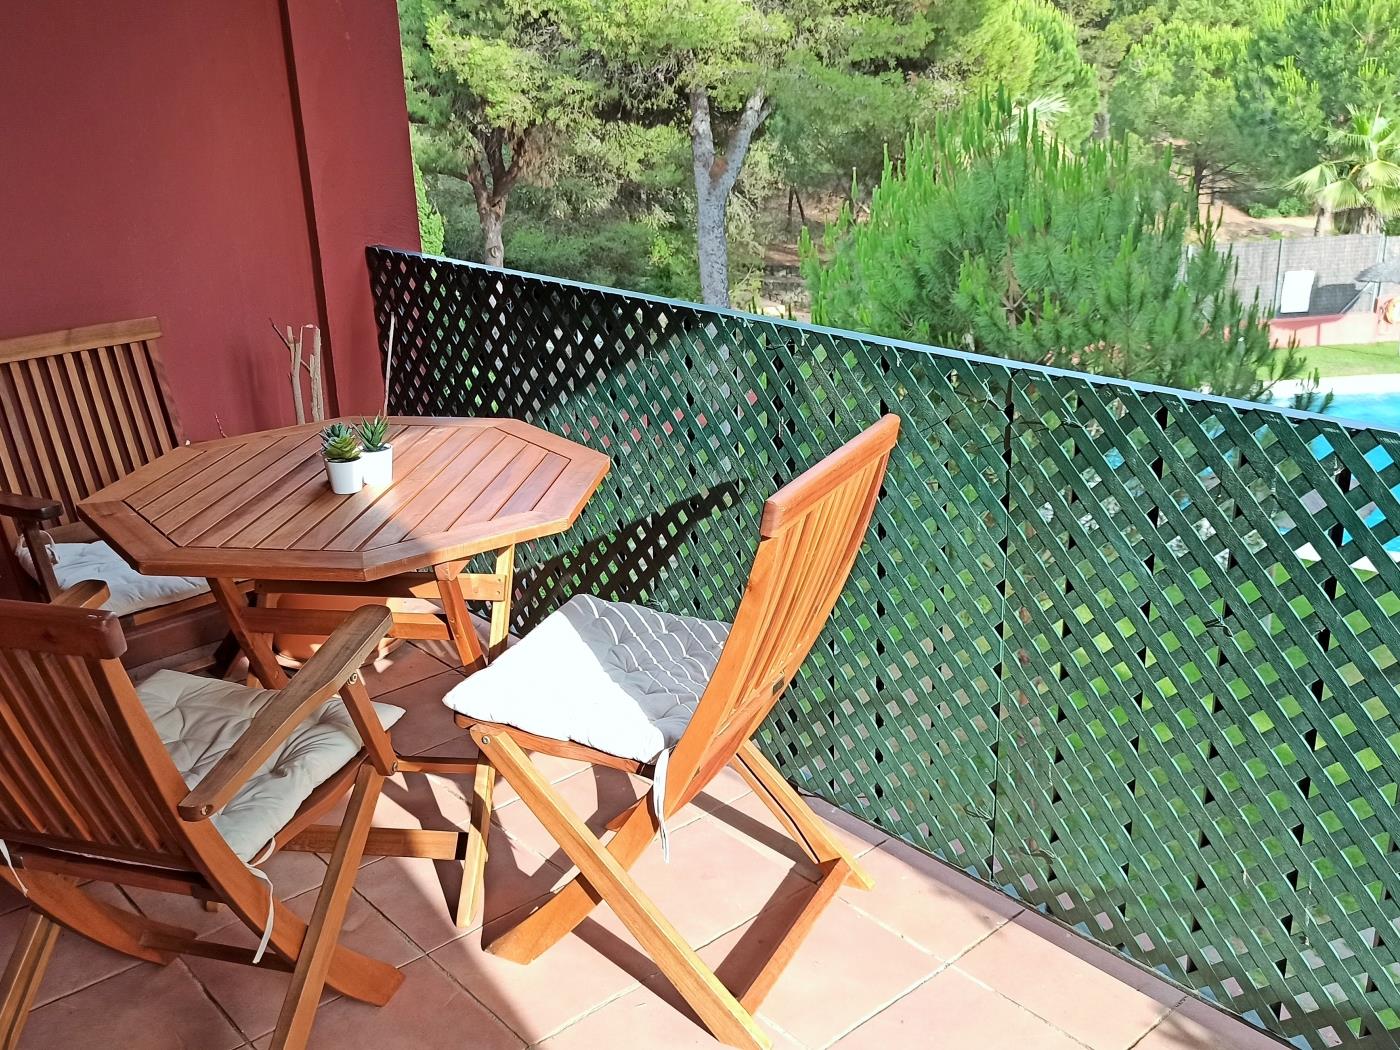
{"points": [[1127, 653]]}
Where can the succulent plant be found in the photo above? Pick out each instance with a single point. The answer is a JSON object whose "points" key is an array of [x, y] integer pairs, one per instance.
{"points": [[374, 433], [340, 443]]}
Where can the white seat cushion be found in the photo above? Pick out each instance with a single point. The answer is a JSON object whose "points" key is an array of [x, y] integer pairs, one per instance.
{"points": [[131, 592], [614, 677], [199, 719]]}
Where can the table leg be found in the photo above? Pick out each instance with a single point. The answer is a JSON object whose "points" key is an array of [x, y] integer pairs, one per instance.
{"points": [[257, 646], [500, 609], [458, 619]]}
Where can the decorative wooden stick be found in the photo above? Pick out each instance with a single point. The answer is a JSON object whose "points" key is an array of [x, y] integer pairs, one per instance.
{"points": [[295, 341], [318, 394]]}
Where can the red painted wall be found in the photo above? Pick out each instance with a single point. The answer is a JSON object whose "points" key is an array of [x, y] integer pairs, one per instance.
{"points": [[1363, 326], [160, 157], [349, 76]]}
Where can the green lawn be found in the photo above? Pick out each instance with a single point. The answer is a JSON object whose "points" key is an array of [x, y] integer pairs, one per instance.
{"points": [[1360, 360]]}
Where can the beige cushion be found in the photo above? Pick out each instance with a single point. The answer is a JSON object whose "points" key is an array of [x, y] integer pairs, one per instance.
{"points": [[615, 677], [131, 592], [199, 719]]}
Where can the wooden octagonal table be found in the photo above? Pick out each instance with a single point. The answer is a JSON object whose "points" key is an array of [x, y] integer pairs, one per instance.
{"points": [[258, 507]]}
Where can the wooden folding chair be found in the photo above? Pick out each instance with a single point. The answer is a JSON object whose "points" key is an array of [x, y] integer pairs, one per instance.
{"points": [[93, 785], [80, 408], [810, 534]]}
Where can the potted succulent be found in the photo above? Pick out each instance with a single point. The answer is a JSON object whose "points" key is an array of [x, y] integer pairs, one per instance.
{"points": [[340, 446], [378, 454]]}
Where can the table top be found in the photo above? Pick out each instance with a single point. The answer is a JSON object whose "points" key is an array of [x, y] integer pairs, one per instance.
{"points": [[259, 506]]}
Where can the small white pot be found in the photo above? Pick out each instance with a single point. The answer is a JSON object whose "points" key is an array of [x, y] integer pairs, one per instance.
{"points": [[379, 467], [346, 478]]}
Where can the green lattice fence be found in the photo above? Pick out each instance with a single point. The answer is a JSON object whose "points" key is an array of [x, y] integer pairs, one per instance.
{"points": [[1127, 653]]}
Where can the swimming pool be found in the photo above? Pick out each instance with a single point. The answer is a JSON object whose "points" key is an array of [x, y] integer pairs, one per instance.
{"points": [[1377, 408]]}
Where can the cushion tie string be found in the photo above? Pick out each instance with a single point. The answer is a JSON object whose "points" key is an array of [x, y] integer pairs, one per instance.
{"points": [[658, 801], [5, 853], [258, 873]]}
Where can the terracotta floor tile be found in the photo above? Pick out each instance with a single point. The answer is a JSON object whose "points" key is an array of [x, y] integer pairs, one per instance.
{"points": [[651, 1016], [417, 800], [714, 882], [939, 909], [144, 1008], [10, 898], [750, 819], [1100, 958], [848, 969], [596, 795], [76, 961], [856, 835], [953, 1012], [725, 786], [404, 666], [552, 768], [415, 894], [444, 650], [1103, 1012], [253, 997], [1196, 1026], [427, 721], [429, 1010], [291, 874], [588, 968]]}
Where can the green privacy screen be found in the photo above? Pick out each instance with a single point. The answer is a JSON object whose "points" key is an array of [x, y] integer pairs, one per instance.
{"points": [[1128, 654]]}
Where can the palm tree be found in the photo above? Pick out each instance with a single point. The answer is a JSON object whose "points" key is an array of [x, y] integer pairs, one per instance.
{"points": [[1358, 188]]}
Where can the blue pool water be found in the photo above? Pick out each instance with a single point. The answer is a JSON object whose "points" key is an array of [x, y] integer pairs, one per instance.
{"points": [[1379, 409]]}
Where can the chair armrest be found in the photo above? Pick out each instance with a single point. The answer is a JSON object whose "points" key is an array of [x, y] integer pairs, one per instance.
{"points": [[30, 508], [320, 678], [87, 594]]}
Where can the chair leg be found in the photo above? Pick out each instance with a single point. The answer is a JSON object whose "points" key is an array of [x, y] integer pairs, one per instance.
{"points": [[459, 621], [718, 1009], [757, 987], [807, 829], [23, 973], [64, 903], [474, 863], [552, 921], [314, 959]]}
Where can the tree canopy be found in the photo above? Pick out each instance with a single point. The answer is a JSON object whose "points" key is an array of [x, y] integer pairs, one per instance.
{"points": [[1178, 87], [994, 237]]}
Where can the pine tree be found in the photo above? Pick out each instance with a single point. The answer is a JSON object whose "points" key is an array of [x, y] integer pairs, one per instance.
{"points": [[994, 238]]}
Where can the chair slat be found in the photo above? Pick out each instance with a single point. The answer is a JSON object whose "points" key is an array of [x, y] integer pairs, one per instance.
{"points": [[812, 531], [67, 781], [79, 409]]}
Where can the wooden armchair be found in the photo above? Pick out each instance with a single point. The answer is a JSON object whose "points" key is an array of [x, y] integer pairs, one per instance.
{"points": [[79, 409], [186, 785], [675, 698]]}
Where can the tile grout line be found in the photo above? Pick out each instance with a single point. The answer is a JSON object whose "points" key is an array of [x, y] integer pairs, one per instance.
{"points": [[205, 991], [947, 964], [1158, 1023], [470, 994], [1045, 1020]]}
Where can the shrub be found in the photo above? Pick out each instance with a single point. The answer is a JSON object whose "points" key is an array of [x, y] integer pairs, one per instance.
{"points": [[993, 237]]}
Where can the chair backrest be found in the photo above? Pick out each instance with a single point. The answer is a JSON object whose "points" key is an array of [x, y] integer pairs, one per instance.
{"points": [[82, 769], [811, 530], [79, 409]]}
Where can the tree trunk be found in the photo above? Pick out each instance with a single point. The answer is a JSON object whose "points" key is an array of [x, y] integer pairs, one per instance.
{"points": [[492, 222], [711, 214], [714, 180]]}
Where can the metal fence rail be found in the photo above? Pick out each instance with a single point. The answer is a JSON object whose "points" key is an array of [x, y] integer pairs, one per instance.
{"points": [[1127, 653]]}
